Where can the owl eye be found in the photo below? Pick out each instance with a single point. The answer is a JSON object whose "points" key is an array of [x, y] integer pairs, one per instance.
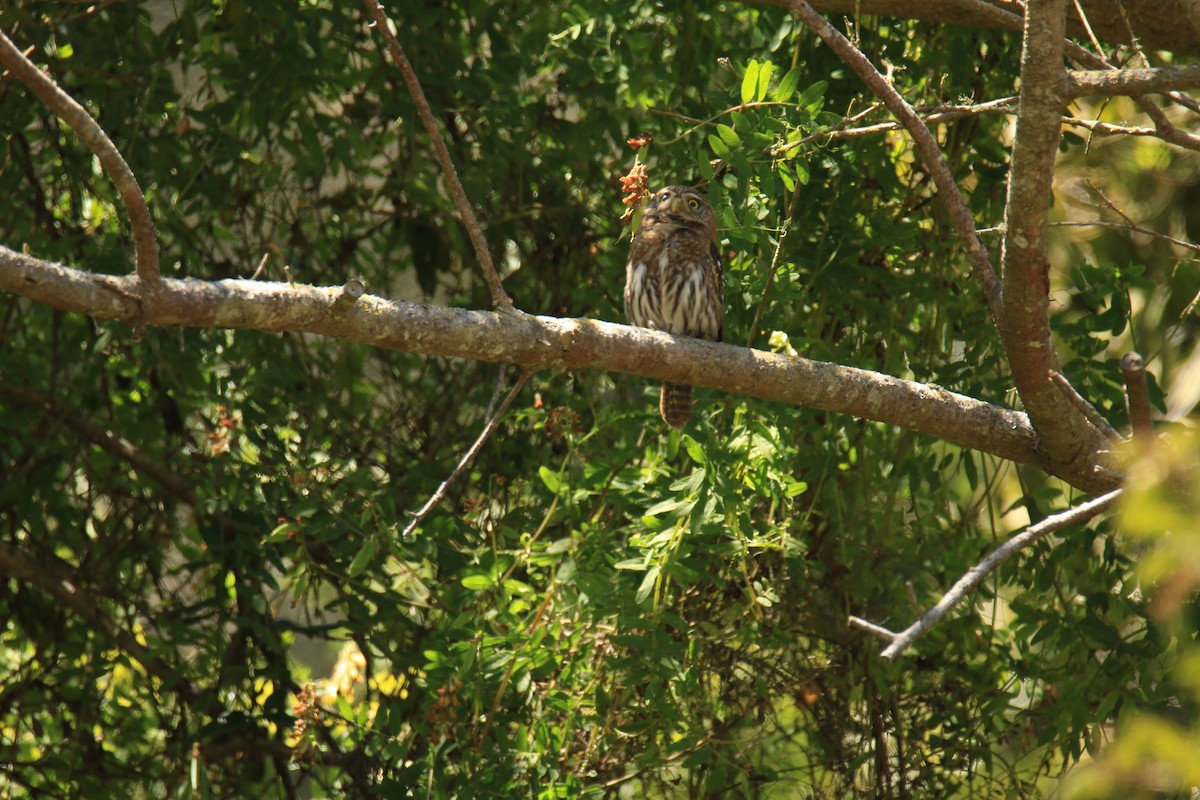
{"points": [[663, 197], [693, 203]]}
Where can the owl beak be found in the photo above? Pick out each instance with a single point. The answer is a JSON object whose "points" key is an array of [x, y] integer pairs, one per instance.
{"points": [[675, 205]]}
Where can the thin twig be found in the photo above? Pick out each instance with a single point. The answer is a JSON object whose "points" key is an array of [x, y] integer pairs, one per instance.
{"points": [[923, 140], [899, 642], [144, 238], [871, 627], [1087, 26], [1137, 398], [458, 194], [929, 114], [1109, 129], [775, 258], [467, 458], [1083, 406], [1127, 227]]}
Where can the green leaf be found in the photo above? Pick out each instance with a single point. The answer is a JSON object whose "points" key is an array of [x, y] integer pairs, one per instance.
{"points": [[478, 582], [729, 136], [796, 489], [750, 81], [813, 97], [694, 450], [764, 80], [647, 584], [802, 173], [365, 555], [787, 86], [718, 146], [550, 478], [281, 533], [666, 506], [785, 175]]}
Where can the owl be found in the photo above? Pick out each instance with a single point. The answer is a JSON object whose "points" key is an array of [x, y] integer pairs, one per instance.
{"points": [[674, 280]]}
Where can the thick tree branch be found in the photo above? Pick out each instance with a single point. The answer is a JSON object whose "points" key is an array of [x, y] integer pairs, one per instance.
{"points": [[899, 642], [1159, 24], [536, 343], [1066, 435], [1132, 81], [500, 298], [923, 140], [144, 237]]}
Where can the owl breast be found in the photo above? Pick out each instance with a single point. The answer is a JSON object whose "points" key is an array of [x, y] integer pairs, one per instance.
{"points": [[670, 285]]}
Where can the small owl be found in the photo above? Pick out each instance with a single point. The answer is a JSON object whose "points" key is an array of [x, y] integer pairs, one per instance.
{"points": [[674, 280]]}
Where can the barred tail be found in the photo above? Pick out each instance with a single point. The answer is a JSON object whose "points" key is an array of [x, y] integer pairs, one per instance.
{"points": [[675, 404]]}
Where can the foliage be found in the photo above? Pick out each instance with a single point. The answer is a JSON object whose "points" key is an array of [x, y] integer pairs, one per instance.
{"points": [[600, 607]]}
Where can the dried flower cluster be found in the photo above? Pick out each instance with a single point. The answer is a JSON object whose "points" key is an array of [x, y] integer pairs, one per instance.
{"points": [[635, 190]]}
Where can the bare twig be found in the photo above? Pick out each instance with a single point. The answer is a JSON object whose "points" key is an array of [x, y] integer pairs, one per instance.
{"points": [[1167, 131], [458, 194], [1109, 129], [1185, 101], [1084, 407], [1128, 226], [261, 266], [1087, 26], [923, 140], [1137, 398], [467, 458], [899, 642], [928, 114], [775, 257], [144, 237]]}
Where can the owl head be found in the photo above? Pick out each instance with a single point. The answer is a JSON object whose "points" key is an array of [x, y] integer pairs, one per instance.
{"points": [[681, 207]]}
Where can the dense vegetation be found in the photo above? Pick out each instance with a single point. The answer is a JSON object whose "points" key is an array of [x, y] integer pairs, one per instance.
{"points": [[227, 606]]}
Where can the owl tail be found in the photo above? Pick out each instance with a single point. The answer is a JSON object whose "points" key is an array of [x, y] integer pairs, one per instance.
{"points": [[675, 404]]}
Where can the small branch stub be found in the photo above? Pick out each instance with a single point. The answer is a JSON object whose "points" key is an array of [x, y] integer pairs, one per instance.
{"points": [[1137, 398], [349, 294]]}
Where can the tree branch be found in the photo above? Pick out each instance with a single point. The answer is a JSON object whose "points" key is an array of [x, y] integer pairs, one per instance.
{"points": [[1130, 81], [948, 191], [458, 194], [536, 343], [899, 642], [467, 458], [1161, 24], [144, 237], [52, 576], [1066, 436], [107, 440]]}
